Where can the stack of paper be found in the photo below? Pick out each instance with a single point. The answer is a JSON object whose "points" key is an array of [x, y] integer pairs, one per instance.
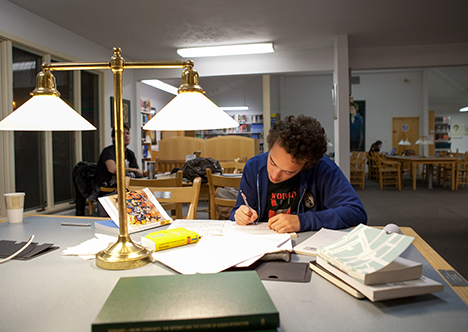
{"points": [[214, 254], [368, 260]]}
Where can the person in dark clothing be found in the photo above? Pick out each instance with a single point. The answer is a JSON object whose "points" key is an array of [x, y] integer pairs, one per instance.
{"points": [[294, 187], [106, 166], [376, 146], [356, 128]]}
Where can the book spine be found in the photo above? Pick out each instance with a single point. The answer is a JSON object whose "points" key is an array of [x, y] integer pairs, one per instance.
{"points": [[239, 323]]}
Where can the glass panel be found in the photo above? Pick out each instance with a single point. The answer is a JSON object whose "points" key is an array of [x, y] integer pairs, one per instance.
{"points": [[90, 111], [29, 146], [63, 145]]}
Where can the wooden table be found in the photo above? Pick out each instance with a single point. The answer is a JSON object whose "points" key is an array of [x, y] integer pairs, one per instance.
{"points": [[414, 161]]}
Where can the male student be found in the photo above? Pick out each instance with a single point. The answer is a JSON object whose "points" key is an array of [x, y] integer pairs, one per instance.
{"points": [[106, 166], [294, 187]]}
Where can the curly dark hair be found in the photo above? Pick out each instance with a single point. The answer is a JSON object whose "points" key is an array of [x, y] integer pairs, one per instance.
{"points": [[302, 137]]}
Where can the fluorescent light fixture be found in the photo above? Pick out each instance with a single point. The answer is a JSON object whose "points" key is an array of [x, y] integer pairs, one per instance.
{"points": [[161, 86], [235, 108], [464, 109], [195, 52]]}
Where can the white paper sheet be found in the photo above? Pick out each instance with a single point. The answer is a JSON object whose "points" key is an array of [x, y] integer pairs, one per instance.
{"points": [[321, 238], [223, 227], [214, 254], [88, 249]]}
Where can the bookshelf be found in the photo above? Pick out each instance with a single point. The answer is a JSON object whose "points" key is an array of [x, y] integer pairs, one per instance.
{"points": [[146, 135], [251, 125], [442, 133]]}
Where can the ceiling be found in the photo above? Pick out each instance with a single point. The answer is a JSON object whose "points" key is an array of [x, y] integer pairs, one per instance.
{"points": [[153, 30]]}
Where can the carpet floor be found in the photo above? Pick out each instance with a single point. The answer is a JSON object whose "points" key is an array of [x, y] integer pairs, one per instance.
{"points": [[438, 215]]}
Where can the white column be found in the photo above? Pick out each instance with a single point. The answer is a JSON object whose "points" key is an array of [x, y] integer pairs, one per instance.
{"points": [[341, 111], [7, 142], [266, 110]]}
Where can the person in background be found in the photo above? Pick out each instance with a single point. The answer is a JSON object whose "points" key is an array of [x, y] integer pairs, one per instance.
{"points": [[295, 187], [107, 167], [356, 128], [376, 146]]}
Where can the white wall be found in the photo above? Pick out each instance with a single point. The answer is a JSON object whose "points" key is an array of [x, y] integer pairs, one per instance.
{"points": [[388, 95]]}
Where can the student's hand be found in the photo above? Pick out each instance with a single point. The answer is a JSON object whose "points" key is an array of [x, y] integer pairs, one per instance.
{"points": [[285, 223], [245, 216]]}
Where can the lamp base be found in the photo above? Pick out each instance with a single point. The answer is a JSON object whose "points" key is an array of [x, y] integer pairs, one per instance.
{"points": [[123, 255]]}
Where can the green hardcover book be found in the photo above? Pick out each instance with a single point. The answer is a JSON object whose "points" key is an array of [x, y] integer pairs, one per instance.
{"points": [[228, 301]]}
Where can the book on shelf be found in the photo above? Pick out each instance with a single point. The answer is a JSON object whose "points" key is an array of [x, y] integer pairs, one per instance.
{"points": [[364, 250], [143, 212], [228, 301], [169, 238], [385, 291]]}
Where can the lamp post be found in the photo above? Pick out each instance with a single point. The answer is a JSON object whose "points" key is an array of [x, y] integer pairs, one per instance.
{"points": [[123, 254]]}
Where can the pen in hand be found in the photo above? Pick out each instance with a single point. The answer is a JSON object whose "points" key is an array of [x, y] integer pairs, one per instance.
{"points": [[247, 203]]}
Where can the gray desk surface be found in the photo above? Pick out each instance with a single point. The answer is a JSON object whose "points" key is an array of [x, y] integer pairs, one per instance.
{"points": [[60, 293]]}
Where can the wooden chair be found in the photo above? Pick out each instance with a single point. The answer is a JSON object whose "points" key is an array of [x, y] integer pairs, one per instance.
{"points": [[179, 195], [233, 166], [103, 190], [175, 181], [228, 166], [358, 170], [217, 181], [389, 172], [373, 169], [239, 165], [167, 165], [461, 174]]}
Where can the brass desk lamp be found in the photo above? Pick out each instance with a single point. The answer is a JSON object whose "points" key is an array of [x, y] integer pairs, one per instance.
{"points": [[189, 110]]}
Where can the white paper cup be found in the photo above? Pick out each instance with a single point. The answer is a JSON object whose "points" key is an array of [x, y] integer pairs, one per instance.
{"points": [[14, 203]]}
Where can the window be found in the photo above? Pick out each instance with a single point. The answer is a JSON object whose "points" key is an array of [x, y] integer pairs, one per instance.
{"points": [[90, 111], [44, 161], [29, 145], [63, 145]]}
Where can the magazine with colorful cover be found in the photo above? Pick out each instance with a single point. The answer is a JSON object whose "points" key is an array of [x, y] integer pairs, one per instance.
{"points": [[143, 212]]}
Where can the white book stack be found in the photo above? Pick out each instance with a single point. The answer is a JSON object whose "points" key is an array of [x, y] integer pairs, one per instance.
{"points": [[367, 261]]}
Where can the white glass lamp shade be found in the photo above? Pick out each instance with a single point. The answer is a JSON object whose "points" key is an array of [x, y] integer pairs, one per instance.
{"points": [[45, 113], [404, 141], [423, 140], [191, 111]]}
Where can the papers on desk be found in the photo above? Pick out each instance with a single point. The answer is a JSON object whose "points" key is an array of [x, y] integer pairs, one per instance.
{"points": [[224, 227], [214, 254], [88, 249], [321, 238]]}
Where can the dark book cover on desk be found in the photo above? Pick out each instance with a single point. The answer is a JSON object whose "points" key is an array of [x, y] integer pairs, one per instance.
{"points": [[227, 301]]}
